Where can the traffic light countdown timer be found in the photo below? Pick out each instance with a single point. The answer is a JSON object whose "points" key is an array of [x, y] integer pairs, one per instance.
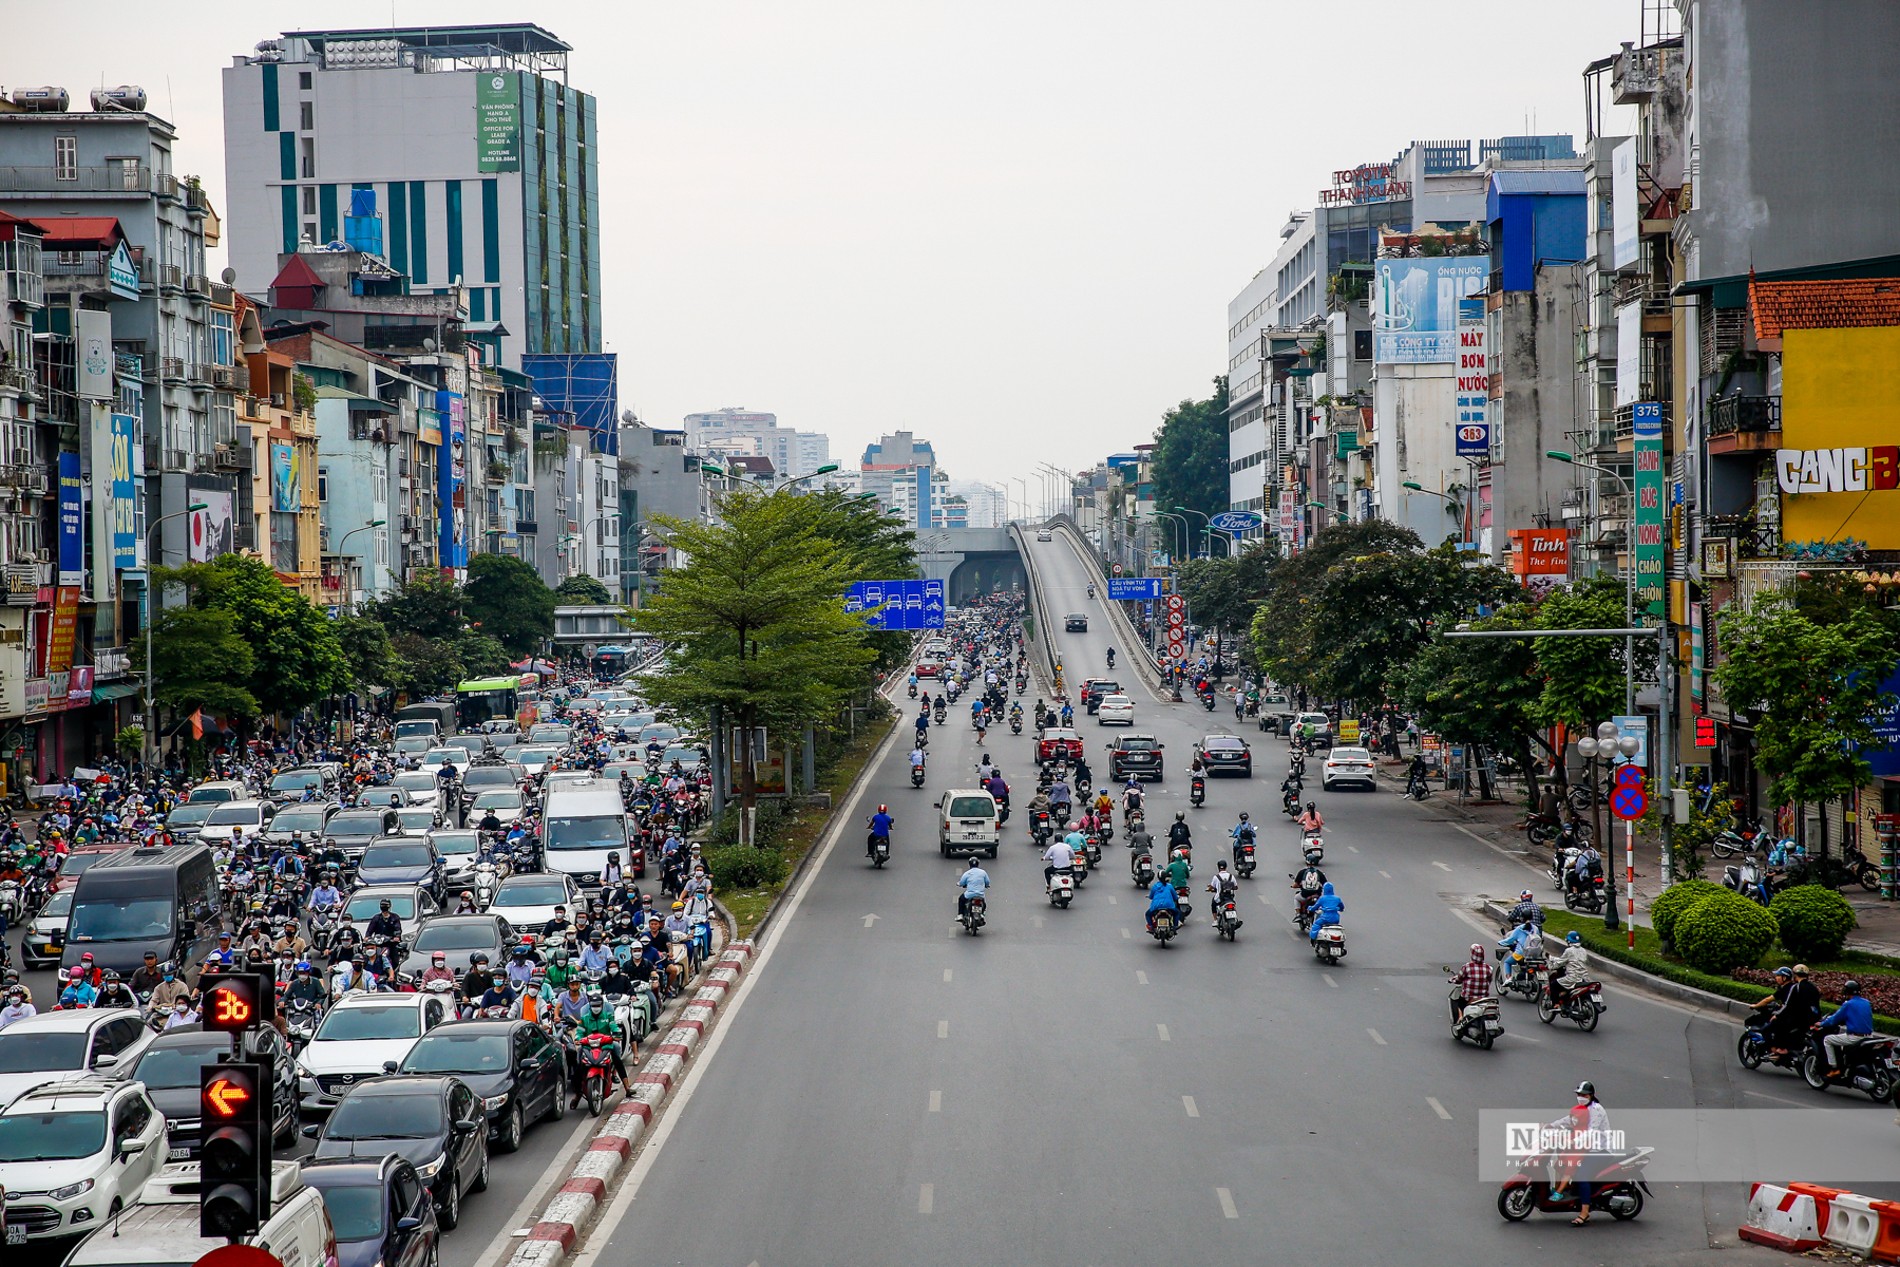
{"points": [[234, 1164], [238, 1001]]}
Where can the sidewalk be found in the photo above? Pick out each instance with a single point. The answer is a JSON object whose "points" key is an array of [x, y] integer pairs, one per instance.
{"points": [[1501, 825]]}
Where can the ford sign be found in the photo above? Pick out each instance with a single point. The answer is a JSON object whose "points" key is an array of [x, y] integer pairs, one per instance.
{"points": [[1235, 521]]}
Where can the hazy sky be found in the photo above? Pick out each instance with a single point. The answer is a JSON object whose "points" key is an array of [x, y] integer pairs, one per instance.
{"points": [[1012, 227]]}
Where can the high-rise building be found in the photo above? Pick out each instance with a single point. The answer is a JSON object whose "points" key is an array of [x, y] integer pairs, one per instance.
{"points": [[793, 453], [896, 467], [482, 159]]}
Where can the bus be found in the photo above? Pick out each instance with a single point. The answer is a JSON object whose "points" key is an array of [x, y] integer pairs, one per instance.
{"points": [[610, 662], [486, 699]]}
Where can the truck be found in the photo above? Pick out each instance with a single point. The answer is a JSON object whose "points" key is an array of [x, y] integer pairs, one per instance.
{"points": [[440, 712]]}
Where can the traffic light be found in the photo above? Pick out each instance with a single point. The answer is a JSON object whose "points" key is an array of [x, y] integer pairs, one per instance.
{"points": [[234, 1106], [235, 1002]]}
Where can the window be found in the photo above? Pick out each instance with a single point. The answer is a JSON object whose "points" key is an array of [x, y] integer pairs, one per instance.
{"points": [[323, 483], [306, 116], [310, 229], [310, 200], [128, 169], [309, 159], [303, 80], [65, 158], [221, 338]]}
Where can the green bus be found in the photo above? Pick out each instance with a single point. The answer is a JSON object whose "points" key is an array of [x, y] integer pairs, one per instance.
{"points": [[486, 699]]}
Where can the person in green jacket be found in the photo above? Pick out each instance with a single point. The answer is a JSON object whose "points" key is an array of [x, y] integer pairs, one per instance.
{"points": [[1178, 870], [560, 972], [597, 1019]]}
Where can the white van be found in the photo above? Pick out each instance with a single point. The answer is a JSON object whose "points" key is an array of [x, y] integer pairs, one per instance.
{"points": [[162, 1229], [581, 824], [966, 822]]}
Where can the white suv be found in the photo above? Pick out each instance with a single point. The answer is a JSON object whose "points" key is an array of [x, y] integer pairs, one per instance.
{"points": [[68, 1046], [75, 1153], [359, 1035]]}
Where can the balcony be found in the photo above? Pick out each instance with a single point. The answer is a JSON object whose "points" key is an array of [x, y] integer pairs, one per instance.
{"points": [[198, 286], [1744, 424], [1635, 75], [171, 278], [1753, 540], [97, 179]]}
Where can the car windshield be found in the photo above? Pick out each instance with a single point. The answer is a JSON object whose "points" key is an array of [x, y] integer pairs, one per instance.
{"points": [[354, 1024], [404, 855], [209, 793], [604, 832], [470, 743], [61, 903], [687, 757], [367, 906], [169, 1068], [500, 798], [488, 776], [417, 818], [356, 1213], [348, 824], [532, 893], [235, 815], [438, 756], [1133, 744], [29, 1137], [449, 1051], [411, 1116], [1351, 754], [456, 937], [122, 919], [299, 818], [37, 1053], [190, 814], [296, 780], [972, 807], [414, 781], [632, 769], [455, 842]]}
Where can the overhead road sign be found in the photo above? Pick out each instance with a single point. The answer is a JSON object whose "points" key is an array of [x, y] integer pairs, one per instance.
{"points": [[901, 605]]}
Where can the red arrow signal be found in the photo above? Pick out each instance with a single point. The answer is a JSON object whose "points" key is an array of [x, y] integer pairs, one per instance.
{"points": [[227, 1097]]}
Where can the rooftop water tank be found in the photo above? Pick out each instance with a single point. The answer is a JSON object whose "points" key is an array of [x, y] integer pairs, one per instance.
{"points": [[46, 100]]}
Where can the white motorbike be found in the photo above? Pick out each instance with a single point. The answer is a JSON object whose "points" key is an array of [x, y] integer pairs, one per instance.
{"points": [[1330, 944], [1478, 1020], [10, 900], [487, 878], [1061, 887]]}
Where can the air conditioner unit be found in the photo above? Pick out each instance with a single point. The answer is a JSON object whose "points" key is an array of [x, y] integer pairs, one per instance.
{"points": [[224, 376], [226, 458]]}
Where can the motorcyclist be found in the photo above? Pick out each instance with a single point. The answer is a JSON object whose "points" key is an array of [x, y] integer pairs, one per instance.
{"points": [[1178, 870], [17, 1008], [169, 990], [113, 993], [1161, 898], [1312, 822], [438, 970], [78, 991], [1243, 834], [556, 928], [1846, 1027], [1415, 775], [562, 971], [1290, 792], [880, 825], [916, 758], [1223, 885], [1527, 911], [1523, 944], [597, 1019], [521, 968], [1474, 981], [1568, 969], [1800, 1007], [1584, 870], [1308, 880], [304, 984], [1068, 714], [974, 882], [1060, 855], [1061, 800], [1180, 835], [146, 976], [478, 978], [1131, 797], [384, 923], [1327, 908]]}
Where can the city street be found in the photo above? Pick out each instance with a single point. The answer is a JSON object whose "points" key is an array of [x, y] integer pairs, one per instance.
{"points": [[889, 1089]]}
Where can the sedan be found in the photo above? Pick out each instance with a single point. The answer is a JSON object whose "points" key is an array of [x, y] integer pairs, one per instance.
{"points": [[353, 829], [1225, 754], [45, 938], [185, 820], [458, 937], [422, 785], [308, 818], [169, 1070], [402, 860], [459, 851], [433, 1122], [1115, 708], [505, 802], [417, 819], [409, 903], [527, 901], [1075, 622], [513, 1066], [1348, 765], [380, 1210]]}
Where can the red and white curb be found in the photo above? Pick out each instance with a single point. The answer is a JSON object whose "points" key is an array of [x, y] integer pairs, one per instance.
{"points": [[571, 1210]]}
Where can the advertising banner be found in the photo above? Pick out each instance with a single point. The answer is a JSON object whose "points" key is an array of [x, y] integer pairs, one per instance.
{"points": [[497, 122], [95, 354], [1415, 306], [1839, 476], [79, 686], [72, 522], [286, 479], [1624, 213], [212, 531], [65, 624], [1236, 521], [452, 471], [1540, 552], [1648, 517], [1474, 382], [122, 491]]}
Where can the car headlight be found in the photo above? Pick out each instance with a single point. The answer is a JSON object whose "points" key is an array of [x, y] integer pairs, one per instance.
{"points": [[71, 1190], [429, 1171], [494, 1101]]}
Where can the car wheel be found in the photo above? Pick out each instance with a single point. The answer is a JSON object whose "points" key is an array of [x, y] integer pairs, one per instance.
{"points": [[480, 1183], [448, 1211], [513, 1127], [557, 1108]]}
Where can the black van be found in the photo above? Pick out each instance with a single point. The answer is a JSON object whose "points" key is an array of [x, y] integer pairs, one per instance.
{"points": [[162, 900]]}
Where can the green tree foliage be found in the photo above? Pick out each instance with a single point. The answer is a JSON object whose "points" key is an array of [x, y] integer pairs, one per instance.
{"points": [[756, 621], [1583, 677], [429, 606], [366, 650], [1224, 592], [507, 600], [1190, 454], [1481, 691], [580, 589], [199, 660], [1814, 921], [297, 658], [872, 547]]}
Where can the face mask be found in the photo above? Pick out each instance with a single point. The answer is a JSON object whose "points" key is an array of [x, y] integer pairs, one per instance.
{"points": [[181, 1009], [168, 976]]}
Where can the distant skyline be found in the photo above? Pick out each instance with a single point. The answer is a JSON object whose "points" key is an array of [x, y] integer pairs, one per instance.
{"points": [[1012, 229]]}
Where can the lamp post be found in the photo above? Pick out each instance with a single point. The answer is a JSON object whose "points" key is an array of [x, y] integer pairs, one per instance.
{"points": [[1447, 498], [580, 537], [151, 614], [826, 469], [344, 540], [1629, 575], [1176, 537], [1208, 531], [1610, 743]]}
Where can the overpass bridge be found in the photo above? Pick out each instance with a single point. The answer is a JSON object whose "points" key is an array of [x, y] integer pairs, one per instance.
{"points": [[971, 561]]}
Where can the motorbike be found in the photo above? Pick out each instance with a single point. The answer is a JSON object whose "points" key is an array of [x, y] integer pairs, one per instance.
{"points": [[1560, 863], [1526, 977], [487, 877], [1244, 862], [1753, 1050], [594, 1055], [1746, 880], [1303, 895], [913, 690], [1869, 1066], [1016, 723], [1313, 848], [973, 913], [879, 847], [1737, 839], [1616, 1184], [1091, 589], [1041, 828], [1081, 867], [1207, 700], [1022, 684], [1092, 849], [1543, 829], [1330, 945], [936, 714], [10, 901], [1290, 802], [1166, 925], [917, 775], [1061, 887], [1142, 867], [1197, 791], [1588, 898], [1227, 918], [1584, 1005], [1477, 1020]]}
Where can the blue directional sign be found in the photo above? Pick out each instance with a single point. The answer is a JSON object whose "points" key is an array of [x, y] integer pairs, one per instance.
{"points": [[904, 605], [1123, 588]]}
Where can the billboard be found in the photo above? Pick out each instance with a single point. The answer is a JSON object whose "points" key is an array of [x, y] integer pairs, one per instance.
{"points": [[1415, 306], [897, 604], [1474, 382], [452, 472], [212, 530], [1839, 476], [497, 122], [72, 522], [124, 494], [1235, 521], [1540, 552], [286, 479], [1624, 213], [583, 384], [1648, 516], [95, 355]]}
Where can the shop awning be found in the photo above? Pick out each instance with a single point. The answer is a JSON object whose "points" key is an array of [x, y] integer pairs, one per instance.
{"points": [[114, 690]]}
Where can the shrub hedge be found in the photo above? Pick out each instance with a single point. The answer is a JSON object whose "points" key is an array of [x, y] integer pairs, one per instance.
{"points": [[1722, 931], [1672, 902], [1814, 921]]}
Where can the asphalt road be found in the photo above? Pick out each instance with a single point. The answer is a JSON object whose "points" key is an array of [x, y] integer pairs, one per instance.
{"points": [[1062, 1090]]}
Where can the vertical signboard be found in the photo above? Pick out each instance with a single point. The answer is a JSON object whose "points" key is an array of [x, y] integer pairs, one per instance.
{"points": [[95, 355], [1698, 652], [125, 533], [1648, 515], [286, 482], [452, 461], [1629, 354], [1474, 382], [1624, 213], [497, 121], [72, 528], [1415, 306]]}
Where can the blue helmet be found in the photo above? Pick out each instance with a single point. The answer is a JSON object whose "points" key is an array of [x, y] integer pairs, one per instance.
{"points": [[1573, 937]]}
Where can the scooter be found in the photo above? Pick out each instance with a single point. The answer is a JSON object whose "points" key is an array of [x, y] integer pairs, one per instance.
{"points": [[913, 690], [879, 848], [937, 714], [1041, 828], [594, 1054], [1164, 926], [1478, 1020], [1080, 866], [1589, 899], [1290, 803], [1061, 887], [1869, 1066], [973, 913], [1016, 723], [917, 775], [1746, 880], [1584, 1005], [1197, 791], [1142, 868], [1752, 1049], [1207, 700], [1330, 945], [1227, 918], [1617, 1187], [1244, 860]]}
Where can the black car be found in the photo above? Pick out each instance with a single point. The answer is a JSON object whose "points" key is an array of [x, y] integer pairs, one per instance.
{"points": [[1135, 756], [353, 829], [485, 773], [1093, 689], [1075, 622], [1225, 754], [293, 783], [457, 937], [434, 1123], [402, 860], [513, 1066], [379, 1209], [306, 817], [169, 1069]]}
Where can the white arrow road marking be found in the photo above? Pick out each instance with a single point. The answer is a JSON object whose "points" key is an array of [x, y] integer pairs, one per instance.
{"points": [[1437, 1107], [936, 1102], [943, 1029], [946, 975], [1141, 978], [869, 920]]}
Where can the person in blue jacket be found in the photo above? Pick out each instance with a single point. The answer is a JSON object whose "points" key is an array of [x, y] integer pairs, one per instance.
{"points": [[1326, 909], [1161, 898], [1855, 1017], [880, 825]]}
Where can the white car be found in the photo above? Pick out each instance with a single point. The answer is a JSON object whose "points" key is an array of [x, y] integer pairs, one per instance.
{"points": [[46, 936], [73, 1154], [423, 787], [1348, 765], [1115, 708], [1043, 534], [67, 1047], [435, 758], [417, 819], [535, 757], [409, 903], [527, 901], [253, 817], [505, 801], [359, 1034]]}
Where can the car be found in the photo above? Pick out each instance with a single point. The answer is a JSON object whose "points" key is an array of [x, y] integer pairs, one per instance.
{"points": [[1135, 757], [928, 666], [253, 818], [967, 822], [293, 783], [1057, 744], [45, 938], [415, 820], [473, 745], [513, 1066], [185, 820], [382, 1211], [219, 790], [169, 1071], [527, 899], [551, 732], [460, 850], [502, 726], [74, 1154], [662, 732], [65, 880], [68, 1046], [308, 818], [410, 903], [1043, 534], [489, 773], [162, 1228], [535, 758], [435, 758], [1225, 754], [1274, 708], [687, 754], [388, 794], [634, 770], [351, 830], [402, 860], [1348, 765], [1075, 622], [586, 704], [1094, 688], [457, 937], [1314, 728], [423, 787], [357, 1035], [432, 1121], [504, 801], [1115, 708], [407, 745]]}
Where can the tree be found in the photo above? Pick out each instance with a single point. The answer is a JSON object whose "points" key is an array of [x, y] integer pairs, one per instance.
{"points": [[1817, 689], [366, 650], [430, 606], [297, 659], [1584, 677], [872, 546], [1291, 629], [423, 666], [199, 660], [757, 624], [1190, 455], [507, 599], [1482, 691], [582, 588]]}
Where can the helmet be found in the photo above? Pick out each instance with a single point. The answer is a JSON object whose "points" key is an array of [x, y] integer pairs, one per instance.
{"points": [[75, 973], [1180, 817], [883, 809], [110, 975], [1243, 815], [1849, 989], [478, 958], [384, 904], [1477, 953], [1784, 972], [1526, 896], [973, 861], [1074, 825], [303, 965], [1573, 937], [1221, 865], [439, 959], [1588, 1088]]}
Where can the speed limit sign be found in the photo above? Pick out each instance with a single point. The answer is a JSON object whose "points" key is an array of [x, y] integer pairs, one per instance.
{"points": [[1117, 570]]}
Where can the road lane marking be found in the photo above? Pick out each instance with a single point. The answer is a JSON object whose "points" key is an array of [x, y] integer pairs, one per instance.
{"points": [[1329, 981], [926, 1198], [936, 1101], [1467, 831], [1352, 848], [1141, 978], [1386, 874], [1227, 1203], [1441, 866], [1187, 1102], [1263, 900], [1162, 1030], [946, 976], [1124, 934], [1112, 901], [943, 1029], [1375, 1036], [869, 920], [1437, 1107], [1037, 921]]}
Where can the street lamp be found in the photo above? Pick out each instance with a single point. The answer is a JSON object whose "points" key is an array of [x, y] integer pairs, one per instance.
{"points": [[1175, 536], [151, 613], [373, 523], [1208, 531], [826, 469], [1610, 742], [1629, 573]]}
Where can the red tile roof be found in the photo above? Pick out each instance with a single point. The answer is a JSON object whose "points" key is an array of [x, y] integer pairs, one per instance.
{"points": [[71, 233], [1822, 305], [9, 224]]}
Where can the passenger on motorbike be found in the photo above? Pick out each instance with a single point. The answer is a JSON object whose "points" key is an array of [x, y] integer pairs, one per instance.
{"points": [[1131, 797], [1161, 898], [1243, 834], [1800, 1007], [1312, 821], [974, 882], [1473, 982], [1568, 970], [1178, 870], [1525, 943], [1223, 885], [1846, 1027], [1327, 908]]}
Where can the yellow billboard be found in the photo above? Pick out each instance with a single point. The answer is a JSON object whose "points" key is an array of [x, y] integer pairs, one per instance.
{"points": [[1838, 469]]}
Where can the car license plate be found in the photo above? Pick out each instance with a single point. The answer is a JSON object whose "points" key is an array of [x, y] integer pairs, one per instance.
{"points": [[178, 1154], [16, 1233]]}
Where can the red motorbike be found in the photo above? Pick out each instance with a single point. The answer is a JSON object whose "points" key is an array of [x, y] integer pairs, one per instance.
{"points": [[1616, 1181], [595, 1055]]}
